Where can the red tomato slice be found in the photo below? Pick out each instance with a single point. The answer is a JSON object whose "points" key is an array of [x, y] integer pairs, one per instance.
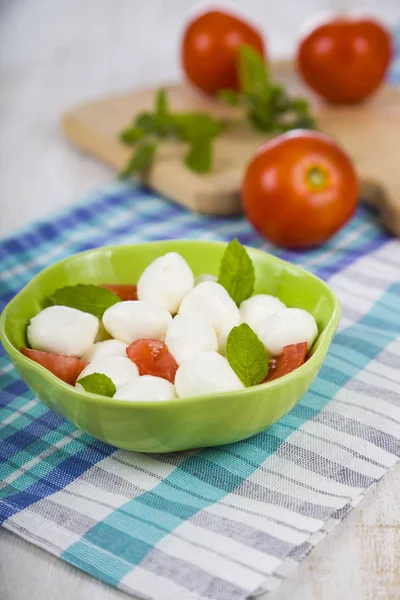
{"points": [[291, 358], [153, 358], [67, 368], [124, 292]]}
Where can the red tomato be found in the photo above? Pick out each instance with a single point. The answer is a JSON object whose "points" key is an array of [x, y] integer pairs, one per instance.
{"points": [[299, 189], [344, 60], [67, 368], [289, 359], [124, 292], [153, 358], [209, 50]]}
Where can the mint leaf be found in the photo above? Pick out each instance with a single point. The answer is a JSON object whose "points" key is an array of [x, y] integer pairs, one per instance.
{"points": [[88, 298], [131, 135], [140, 161], [247, 355], [195, 127], [253, 72], [199, 157], [229, 97], [98, 383], [236, 272], [162, 116]]}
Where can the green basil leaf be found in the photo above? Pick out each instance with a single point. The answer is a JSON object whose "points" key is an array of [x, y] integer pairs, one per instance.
{"points": [[199, 157], [236, 272], [88, 298], [247, 355], [98, 383]]}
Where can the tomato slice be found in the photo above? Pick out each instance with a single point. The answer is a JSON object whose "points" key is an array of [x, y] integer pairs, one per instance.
{"points": [[123, 291], [291, 357], [153, 358], [67, 368]]}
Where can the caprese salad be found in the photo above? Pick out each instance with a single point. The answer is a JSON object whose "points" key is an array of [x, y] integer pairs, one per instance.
{"points": [[172, 335]]}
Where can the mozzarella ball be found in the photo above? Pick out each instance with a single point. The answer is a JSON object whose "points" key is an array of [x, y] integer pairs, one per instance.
{"points": [[222, 339], [118, 368], [134, 320], [189, 334], [166, 281], [62, 330], [105, 349], [258, 308], [206, 373], [205, 277], [146, 388], [290, 326], [211, 300]]}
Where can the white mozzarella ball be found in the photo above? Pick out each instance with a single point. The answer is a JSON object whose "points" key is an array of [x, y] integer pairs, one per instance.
{"points": [[206, 373], [62, 330], [135, 320], [166, 281], [258, 308], [146, 388], [205, 277], [211, 300], [105, 349], [189, 334], [222, 339], [290, 326], [118, 368]]}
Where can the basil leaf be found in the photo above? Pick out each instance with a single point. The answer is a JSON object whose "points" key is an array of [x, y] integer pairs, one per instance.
{"points": [[236, 272], [88, 298], [98, 383], [247, 355], [199, 157]]}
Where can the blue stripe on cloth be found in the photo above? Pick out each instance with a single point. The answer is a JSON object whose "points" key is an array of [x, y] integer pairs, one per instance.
{"points": [[68, 470], [213, 473]]}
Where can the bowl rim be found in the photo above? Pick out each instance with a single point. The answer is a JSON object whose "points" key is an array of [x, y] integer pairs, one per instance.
{"points": [[325, 336]]}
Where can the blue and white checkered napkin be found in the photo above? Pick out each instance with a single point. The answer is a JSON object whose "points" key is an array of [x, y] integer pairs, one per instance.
{"points": [[220, 523]]}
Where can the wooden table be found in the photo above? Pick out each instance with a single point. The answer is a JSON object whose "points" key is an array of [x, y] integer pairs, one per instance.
{"points": [[54, 54]]}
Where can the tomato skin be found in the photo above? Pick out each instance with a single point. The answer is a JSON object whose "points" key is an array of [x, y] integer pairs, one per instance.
{"points": [[291, 358], [67, 368], [299, 189], [209, 49], [123, 291], [345, 60], [153, 358]]}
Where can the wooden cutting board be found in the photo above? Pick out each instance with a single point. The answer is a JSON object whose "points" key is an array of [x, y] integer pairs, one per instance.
{"points": [[369, 132]]}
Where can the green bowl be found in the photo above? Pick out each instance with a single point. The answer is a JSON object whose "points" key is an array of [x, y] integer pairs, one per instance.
{"points": [[200, 421]]}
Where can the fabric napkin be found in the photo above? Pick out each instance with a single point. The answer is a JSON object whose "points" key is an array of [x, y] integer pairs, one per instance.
{"points": [[220, 523]]}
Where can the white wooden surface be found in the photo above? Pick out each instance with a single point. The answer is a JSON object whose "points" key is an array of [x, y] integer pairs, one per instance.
{"points": [[57, 53]]}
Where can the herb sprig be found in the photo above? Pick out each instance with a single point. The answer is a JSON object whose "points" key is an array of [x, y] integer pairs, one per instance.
{"points": [[267, 105], [148, 129]]}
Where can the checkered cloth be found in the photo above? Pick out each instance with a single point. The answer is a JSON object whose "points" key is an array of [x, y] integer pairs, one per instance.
{"points": [[220, 523]]}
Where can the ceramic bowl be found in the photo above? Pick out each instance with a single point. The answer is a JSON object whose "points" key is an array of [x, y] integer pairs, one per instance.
{"points": [[200, 421]]}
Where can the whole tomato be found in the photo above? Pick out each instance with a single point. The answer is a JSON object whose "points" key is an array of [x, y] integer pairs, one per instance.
{"points": [[209, 50], [299, 189], [344, 60]]}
